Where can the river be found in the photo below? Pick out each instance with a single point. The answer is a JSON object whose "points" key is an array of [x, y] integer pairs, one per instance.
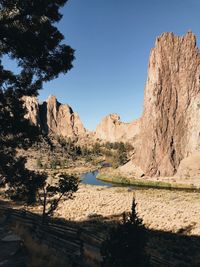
{"points": [[91, 178]]}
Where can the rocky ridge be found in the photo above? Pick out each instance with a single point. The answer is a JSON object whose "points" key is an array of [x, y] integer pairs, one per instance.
{"points": [[59, 119], [53, 117], [111, 129]]}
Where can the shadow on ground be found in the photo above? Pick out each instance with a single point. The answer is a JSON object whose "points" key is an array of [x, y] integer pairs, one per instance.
{"points": [[59, 242]]}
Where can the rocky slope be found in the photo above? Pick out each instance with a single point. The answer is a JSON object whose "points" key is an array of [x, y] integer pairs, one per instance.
{"points": [[111, 129], [54, 118], [170, 125]]}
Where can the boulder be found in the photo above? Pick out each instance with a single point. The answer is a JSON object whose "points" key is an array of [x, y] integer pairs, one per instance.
{"points": [[189, 167], [130, 169]]}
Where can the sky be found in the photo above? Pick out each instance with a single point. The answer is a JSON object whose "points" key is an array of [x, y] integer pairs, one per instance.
{"points": [[112, 39]]}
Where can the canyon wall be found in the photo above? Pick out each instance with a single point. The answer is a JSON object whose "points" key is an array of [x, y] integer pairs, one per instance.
{"points": [[54, 118], [168, 134], [170, 124]]}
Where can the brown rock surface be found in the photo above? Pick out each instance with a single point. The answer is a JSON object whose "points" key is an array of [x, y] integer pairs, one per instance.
{"points": [[32, 106], [189, 167], [170, 125], [53, 117], [129, 169], [111, 129], [61, 119]]}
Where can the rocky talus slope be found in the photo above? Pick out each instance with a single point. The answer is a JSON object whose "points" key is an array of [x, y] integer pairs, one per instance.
{"points": [[54, 118], [170, 124]]}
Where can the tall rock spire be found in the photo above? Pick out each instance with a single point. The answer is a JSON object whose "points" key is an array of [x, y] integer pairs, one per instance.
{"points": [[170, 125]]}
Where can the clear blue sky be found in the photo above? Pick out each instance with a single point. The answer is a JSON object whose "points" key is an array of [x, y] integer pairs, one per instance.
{"points": [[112, 39]]}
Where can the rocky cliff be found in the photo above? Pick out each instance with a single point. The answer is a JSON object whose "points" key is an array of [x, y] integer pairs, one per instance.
{"points": [[167, 137], [170, 125], [32, 106], [53, 117], [111, 129]]}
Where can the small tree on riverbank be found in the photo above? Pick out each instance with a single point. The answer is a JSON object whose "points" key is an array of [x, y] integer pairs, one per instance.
{"points": [[125, 245]]}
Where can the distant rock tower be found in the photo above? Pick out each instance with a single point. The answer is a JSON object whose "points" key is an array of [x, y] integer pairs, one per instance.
{"points": [[54, 118], [111, 129]]}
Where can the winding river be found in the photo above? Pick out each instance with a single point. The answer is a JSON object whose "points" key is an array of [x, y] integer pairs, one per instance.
{"points": [[91, 178]]}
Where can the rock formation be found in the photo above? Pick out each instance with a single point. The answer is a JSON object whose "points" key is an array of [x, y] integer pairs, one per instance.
{"points": [[111, 129], [54, 118], [167, 137], [189, 167], [32, 106], [170, 125]]}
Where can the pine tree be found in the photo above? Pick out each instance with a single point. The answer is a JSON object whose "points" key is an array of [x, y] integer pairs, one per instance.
{"points": [[29, 37], [126, 243]]}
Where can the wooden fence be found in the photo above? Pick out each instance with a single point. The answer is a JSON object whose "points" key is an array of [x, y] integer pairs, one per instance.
{"points": [[79, 242]]}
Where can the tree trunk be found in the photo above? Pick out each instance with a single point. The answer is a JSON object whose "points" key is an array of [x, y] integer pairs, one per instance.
{"points": [[44, 208]]}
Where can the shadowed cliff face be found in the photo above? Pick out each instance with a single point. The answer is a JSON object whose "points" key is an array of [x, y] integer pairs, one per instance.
{"points": [[53, 117], [170, 125]]}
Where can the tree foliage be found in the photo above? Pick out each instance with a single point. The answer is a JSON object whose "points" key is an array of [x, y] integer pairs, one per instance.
{"points": [[52, 192], [117, 153], [125, 245], [30, 38]]}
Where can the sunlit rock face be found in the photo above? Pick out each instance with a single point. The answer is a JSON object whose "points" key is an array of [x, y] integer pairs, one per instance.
{"points": [[169, 129], [111, 129], [32, 106], [189, 167], [170, 125], [53, 117]]}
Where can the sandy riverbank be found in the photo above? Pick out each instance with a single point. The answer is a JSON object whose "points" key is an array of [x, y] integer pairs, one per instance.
{"points": [[160, 209]]}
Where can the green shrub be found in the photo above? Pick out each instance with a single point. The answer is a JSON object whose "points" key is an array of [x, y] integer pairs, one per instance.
{"points": [[126, 243]]}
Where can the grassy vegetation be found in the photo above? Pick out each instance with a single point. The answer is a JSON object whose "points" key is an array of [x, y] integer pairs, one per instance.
{"points": [[118, 179], [64, 153]]}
